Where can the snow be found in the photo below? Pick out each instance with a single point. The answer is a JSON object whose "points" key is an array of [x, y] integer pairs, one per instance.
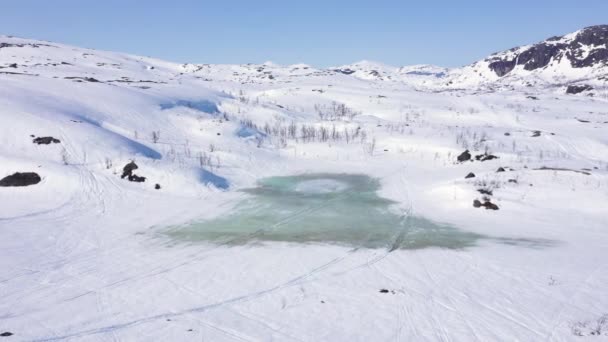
{"points": [[84, 255]]}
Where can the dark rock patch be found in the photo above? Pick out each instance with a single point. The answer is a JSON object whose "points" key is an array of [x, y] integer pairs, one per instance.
{"points": [[536, 134], [46, 140], [137, 179], [464, 156], [157, 186], [128, 169], [485, 192], [576, 89], [81, 79], [6, 334], [485, 157], [470, 175], [501, 169], [486, 204], [20, 179], [502, 67], [127, 172]]}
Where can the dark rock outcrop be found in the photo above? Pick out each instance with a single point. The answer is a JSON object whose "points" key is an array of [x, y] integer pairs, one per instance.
{"points": [[20, 179], [486, 204], [589, 47], [485, 157], [128, 169], [127, 172], [157, 186], [46, 140], [464, 156], [136, 178], [6, 334], [470, 175], [576, 89]]}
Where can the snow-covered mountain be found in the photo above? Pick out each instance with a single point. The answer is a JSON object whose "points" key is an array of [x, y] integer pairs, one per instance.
{"points": [[119, 150], [576, 58]]}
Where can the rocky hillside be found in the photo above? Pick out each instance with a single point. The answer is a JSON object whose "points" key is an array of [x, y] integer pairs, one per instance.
{"points": [[578, 59]]}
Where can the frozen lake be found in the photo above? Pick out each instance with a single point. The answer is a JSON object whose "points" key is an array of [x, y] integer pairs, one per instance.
{"points": [[341, 209]]}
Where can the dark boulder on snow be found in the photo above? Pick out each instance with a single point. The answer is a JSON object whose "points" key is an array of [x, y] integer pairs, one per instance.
{"points": [[470, 175], [6, 334], [464, 156], [485, 157], [20, 179], [46, 140], [501, 169], [157, 186], [487, 204], [575, 89], [127, 172], [128, 169], [137, 179]]}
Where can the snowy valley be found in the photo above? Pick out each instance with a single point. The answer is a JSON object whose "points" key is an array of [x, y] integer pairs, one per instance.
{"points": [[494, 175]]}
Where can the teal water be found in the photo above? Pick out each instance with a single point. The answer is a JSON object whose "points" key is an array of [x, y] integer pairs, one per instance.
{"points": [[340, 209]]}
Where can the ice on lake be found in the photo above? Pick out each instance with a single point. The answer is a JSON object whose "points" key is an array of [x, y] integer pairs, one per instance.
{"points": [[341, 209]]}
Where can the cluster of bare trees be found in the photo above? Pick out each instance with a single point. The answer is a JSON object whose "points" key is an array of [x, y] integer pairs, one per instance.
{"points": [[335, 111], [308, 133]]}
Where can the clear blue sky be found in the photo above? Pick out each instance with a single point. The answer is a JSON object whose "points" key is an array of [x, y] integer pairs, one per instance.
{"points": [[321, 33]]}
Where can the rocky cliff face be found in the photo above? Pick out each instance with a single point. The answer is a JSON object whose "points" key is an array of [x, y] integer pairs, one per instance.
{"points": [[585, 48]]}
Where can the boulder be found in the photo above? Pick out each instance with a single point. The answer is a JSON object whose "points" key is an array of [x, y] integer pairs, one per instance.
{"points": [[128, 169], [20, 179], [470, 175], [486, 204], [575, 89], [46, 140], [464, 156], [137, 179]]}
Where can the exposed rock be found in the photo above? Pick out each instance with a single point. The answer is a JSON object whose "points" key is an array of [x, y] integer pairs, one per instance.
{"points": [[6, 334], [487, 204], [485, 192], [127, 172], [464, 156], [46, 140], [470, 175], [502, 67], [20, 179], [501, 169], [513, 181], [157, 186], [128, 169], [575, 89], [485, 157], [536, 134], [383, 291], [589, 47], [136, 178]]}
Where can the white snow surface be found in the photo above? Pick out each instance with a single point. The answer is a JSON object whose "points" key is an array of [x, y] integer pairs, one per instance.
{"points": [[82, 254]]}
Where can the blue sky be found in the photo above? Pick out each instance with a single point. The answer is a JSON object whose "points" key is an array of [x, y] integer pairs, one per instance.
{"points": [[321, 33]]}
